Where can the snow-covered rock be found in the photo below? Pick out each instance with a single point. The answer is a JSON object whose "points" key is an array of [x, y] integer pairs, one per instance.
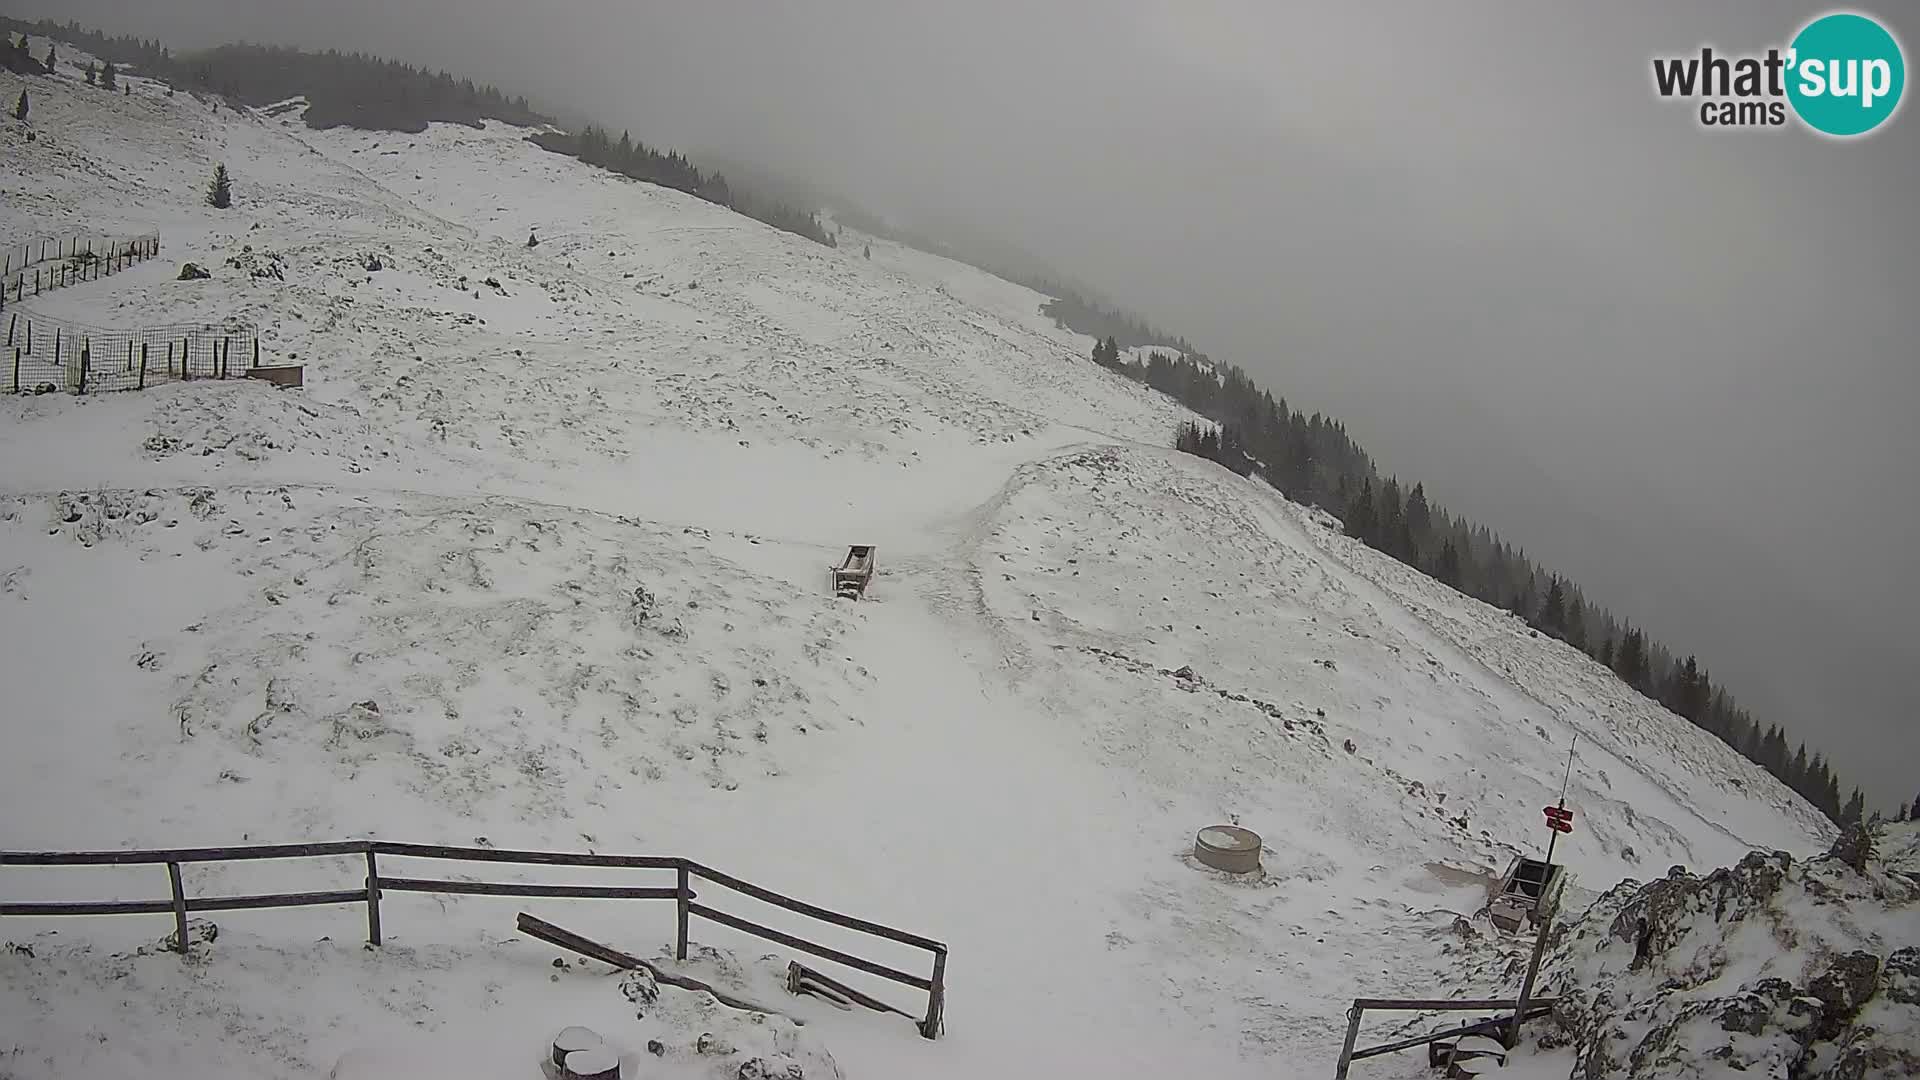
{"points": [[1773, 967]]}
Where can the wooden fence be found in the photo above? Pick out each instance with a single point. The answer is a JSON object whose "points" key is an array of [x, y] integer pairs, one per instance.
{"points": [[1525, 1007], [375, 884], [44, 265], [76, 358]]}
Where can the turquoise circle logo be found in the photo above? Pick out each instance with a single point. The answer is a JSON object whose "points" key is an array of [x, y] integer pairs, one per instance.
{"points": [[1847, 74]]}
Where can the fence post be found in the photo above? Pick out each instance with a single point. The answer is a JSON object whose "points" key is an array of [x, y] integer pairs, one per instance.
{"points": [[936, 998], [142, 385], [169, 359], [1346, 1052], [56, 342], [373, 899], [129, 357], [36, 282], [226, 355], [11, 324], [86, 360], [179, 906], [16, 371], [1512, 1034], [686, 894], [256, 352]]}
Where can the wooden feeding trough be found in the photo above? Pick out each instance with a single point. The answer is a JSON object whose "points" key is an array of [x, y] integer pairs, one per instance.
{"points": [[1228, 847], [280, 375], [855, 573], [1528, 891]]}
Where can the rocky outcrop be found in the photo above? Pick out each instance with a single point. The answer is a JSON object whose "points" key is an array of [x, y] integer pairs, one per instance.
{"points": [[1798, 970]]}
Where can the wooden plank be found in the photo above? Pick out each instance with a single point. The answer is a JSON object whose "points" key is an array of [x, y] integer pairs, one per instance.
{"points": [[804, 945], [823, 914], [1441, 1004], [276, 900], [800, 975], [534, 858], [566, 939], [491, 888], [109, 907], [1464, 1029], [179, 855]]}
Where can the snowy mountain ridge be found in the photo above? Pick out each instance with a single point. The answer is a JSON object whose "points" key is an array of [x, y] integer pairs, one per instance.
{"points": [[538, 555]]}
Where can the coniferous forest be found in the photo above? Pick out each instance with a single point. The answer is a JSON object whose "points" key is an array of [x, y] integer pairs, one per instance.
{"points": [[368, 93], [625, 156], [1312, 460]]}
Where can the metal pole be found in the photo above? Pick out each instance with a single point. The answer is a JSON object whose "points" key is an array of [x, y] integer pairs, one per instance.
{"points": [[1346, 1051], [1526, 986]]}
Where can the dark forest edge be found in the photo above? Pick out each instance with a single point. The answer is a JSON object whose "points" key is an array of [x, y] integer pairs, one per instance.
{"points": [[636, 160], [366, 93], [1312, 461]]}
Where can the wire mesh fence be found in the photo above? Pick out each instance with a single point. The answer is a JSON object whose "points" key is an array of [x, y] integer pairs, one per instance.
{"points": [[38, 266], [52, 355]]}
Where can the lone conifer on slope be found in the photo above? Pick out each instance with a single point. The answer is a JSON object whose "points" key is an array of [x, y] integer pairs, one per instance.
{"points": [[51, 56], [109, 78], [220, 191], [20, 110], [93, 75]]}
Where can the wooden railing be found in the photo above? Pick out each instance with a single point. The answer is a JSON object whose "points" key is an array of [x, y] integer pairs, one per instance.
{"points": [[681, 892]]}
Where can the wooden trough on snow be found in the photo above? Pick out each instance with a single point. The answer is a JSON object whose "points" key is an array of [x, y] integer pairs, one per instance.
{"points": [[851, 577]]}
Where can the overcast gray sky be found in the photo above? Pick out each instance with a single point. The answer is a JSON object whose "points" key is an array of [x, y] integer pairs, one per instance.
{"points": [[1679, 366]]}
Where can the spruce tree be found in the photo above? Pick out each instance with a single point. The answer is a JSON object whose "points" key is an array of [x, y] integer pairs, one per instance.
{"points": [[220, 190], [20, 108], [51, 56], [1915, 815], [109, 79], [1855, 808], [1553, 614], [867, 250], [93, 74], [1360, 513], [1419, 519]]}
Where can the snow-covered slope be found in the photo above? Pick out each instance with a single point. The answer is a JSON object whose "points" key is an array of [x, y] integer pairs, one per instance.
{"points": [[538, 555]]}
